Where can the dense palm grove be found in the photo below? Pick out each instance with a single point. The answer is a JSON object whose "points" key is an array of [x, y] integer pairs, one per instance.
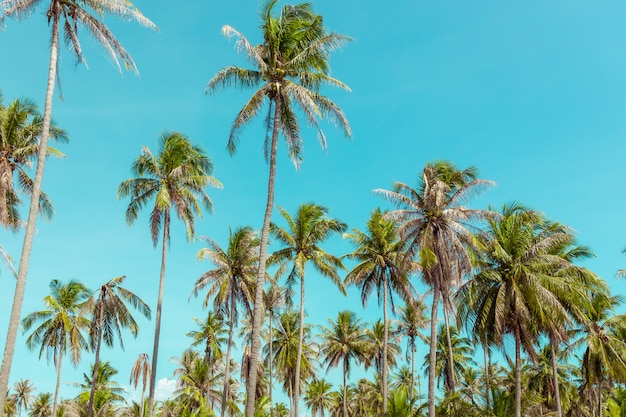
{"points": [[514, 324]]}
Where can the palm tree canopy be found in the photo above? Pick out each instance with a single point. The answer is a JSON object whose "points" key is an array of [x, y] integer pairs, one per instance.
{"points": [[176, 176], [344, 340]]}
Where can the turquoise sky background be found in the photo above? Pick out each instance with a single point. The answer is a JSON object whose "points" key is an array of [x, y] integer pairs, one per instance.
{"points": [[532, 93]]}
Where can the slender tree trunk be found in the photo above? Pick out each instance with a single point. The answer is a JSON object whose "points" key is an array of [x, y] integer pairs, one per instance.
{"points": [[383, 377], [157, 327], [260, 280], [58, 385], [271, 362], [518, 374], [94, 378], [412, 391], [449, 344], [209, 376], [227, 367], [296, 388], [487, 383], [555, 376], [141, 407], [432, 356], [345, 387], [20, 285]]}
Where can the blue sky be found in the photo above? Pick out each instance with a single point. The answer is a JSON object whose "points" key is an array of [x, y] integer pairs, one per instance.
{"points": [[532, 93]]}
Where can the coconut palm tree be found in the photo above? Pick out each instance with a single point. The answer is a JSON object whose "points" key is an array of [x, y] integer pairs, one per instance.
{"points": [[290, 67], [212, 335], [437, 226], [375, 334], [317, 397], [342, 342], [109, 312], [175, 178], [24, 395], [141, 370], [230, 283], [273, 299], [73, 14], [59, 327], [301, 245], [41, 406], [20, 129], [382, 265], [412, 319], [108, 393], [462, 353]]}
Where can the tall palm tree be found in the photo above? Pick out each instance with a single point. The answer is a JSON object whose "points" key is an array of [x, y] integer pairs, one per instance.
{"points": [[109, 312], [230, 283], [141, 370], [291, 65], [24, 395], [73, 14], [462, 353], [20, 129], [317, 397], [519, 286], [412, 319], [273, 299], [382, 265], [176, 178], [212, 336], [436, 225], [59, 326], [344, 341], [41, 406], [301, 240]]}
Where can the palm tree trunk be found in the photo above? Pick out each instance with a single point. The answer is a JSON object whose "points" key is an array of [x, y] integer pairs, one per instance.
{"points": [[432, 356], [143, 394], [296, 389], [157, 328], [555, 376], [20, 285], [96, 362], [412, 390], [58, 385], [227, 367], [209, 376], [345, 386], [487, 383], [518, 374], [449, 343], [260, 280], [383, 376], [271, 363]]}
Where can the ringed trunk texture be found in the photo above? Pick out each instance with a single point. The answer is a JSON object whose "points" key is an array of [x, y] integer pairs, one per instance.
{"points": [[555, 376], [58, 385], [157, 328], [412, 391], [432, 356], [20, 285], [96, 362], [260, 280], [271, 363], [518, 375], [383, 376], [296, 388], [345, 387], [487, 383], [227, 368], [450, 353]]}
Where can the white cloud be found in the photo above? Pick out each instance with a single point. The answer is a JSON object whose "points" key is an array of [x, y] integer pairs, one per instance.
{"points": [[164, 389]]}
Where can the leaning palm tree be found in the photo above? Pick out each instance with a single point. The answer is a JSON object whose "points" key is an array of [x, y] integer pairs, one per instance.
{"points": [[59, 326], [382, 265], [109, 315], [344, 341], [301, 240], [291, 65], [436, 225], [230, 283], [175, 178], [141, 370], [73, 14]]}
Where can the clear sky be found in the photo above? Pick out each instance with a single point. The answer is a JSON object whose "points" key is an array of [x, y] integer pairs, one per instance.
{"points": [[532, 93]]}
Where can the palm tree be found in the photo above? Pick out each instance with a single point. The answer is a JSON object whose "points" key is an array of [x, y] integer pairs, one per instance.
{"points": [[381, 265], [519, 286], [107, 391], [375, 335], [41, 406], [193, 382], [412, 319], [301, 241], [290, 67], [59, 326], [435, 224], [176, 178], [212, 336], [24, 395], [109, 315], [140, 370], [462, 354], [317, 397], [74, 14], [20, 129], [273, 299], [344, 341], [230, 283]]}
